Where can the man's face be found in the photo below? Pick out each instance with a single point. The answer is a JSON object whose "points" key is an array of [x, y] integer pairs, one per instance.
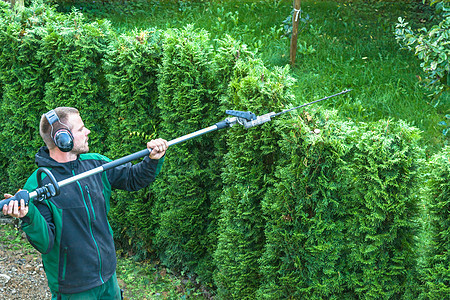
{"points": [[80, 134]]}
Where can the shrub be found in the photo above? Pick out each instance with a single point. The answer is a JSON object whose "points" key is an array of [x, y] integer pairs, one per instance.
{"points": [[23, 86], [131, 66], [437, 270], [341, 215], [304, 211], [188, 101], [431, 47], [248, 172], [48, 60], [72, 51], [383, 207]]}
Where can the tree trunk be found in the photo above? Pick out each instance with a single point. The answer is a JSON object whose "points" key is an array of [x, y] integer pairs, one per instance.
{"points": [[18, 2], [295, 20]]}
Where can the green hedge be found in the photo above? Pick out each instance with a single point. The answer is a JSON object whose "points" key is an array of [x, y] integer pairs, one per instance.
{"points": [[304, 206], [341, 216], [48, 60], [305, 213], [22, 80], [72, 51], [436, 273], [130, 67], [188, 93]]}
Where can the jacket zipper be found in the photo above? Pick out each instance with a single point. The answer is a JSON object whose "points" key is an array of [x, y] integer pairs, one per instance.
{"points": [[90, 201], [90, 228]]}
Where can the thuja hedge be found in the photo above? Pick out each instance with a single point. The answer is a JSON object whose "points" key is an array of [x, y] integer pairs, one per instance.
{"points": [[309, 206], [188, 100], [436, 272], [341, 217], [130, 66], [47, 60], [248, 172], [22, 80]]}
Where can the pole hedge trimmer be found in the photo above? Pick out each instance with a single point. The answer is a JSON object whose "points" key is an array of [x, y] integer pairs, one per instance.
{"points": [[244, 118]]}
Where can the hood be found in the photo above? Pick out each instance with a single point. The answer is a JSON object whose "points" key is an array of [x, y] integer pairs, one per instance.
{"points": [[43, 159]]}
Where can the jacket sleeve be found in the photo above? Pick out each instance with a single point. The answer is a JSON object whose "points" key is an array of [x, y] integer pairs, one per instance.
{"points": [[38, 223], [131, 177]]}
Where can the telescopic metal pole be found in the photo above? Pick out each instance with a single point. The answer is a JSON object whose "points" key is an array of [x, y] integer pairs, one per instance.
{"points": [[134, 156], [226, 123], [247, 119], [37, 193]]}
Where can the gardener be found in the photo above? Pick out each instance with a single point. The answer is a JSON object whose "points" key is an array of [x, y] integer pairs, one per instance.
{"points": [[71, 230]]}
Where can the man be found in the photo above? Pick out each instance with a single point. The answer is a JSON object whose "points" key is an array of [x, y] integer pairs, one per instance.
{"points": [[71, 230]]}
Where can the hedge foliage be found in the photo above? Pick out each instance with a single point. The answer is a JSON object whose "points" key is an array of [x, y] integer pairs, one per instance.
{"points": [[436, 273], [188, 93], [130, 68], [306, 206], [341, 217], [23, 87], [48, 60], [249, 165]]}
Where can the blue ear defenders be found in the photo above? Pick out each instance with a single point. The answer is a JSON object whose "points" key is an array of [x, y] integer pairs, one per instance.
{"points": [[62, 137]]}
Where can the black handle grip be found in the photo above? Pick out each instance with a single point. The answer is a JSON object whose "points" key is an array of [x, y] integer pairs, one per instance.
{"points": [[49, 190], [22, 194], [42, 192]]}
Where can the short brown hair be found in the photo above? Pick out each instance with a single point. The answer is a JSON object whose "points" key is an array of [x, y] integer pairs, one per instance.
{"points": [[45, 129]]}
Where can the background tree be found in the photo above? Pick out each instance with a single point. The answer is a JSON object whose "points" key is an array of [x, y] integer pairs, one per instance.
{"points": [[431, 46]]}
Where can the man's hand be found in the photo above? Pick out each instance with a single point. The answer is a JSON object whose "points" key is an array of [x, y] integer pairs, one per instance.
{"points": [[13, 209], [158, 148]]}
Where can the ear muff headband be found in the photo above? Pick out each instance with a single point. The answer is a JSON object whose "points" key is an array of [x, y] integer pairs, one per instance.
{"points": [[62, 137]]}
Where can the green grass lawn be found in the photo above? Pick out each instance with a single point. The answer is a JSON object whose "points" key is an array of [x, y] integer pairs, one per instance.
{"points": [[342, 44]]}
